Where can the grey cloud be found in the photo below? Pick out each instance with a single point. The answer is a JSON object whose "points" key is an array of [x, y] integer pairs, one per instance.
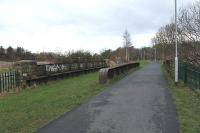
{"points": [[137, 16], [138, 19], [3, 28]]}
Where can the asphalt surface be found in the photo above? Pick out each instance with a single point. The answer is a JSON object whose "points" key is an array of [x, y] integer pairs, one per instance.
{"points": [[139, 103]]}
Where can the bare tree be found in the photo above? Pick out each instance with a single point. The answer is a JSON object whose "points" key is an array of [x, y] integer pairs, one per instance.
{"points": [[127, 43], [188, 36]]}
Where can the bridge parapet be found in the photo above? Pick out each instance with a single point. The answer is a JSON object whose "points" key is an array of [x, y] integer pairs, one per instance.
{"points": [[108, 73]]}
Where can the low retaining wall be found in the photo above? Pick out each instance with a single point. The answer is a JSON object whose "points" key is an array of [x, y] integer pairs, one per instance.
{"points": [[57, 76], [108, 73]]}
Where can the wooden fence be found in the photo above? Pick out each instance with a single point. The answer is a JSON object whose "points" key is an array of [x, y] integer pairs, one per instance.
{"points": [[9, 81]]}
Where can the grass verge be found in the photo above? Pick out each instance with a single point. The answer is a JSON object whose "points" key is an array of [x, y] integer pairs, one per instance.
{"points": [[188, 106], [31, 109], [144, 63], [4, 69]]}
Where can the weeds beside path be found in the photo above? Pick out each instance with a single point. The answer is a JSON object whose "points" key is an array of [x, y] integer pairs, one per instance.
{"points": [[188, 106]]}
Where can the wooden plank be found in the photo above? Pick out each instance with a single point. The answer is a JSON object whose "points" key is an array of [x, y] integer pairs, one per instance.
{"points": [[8, 74], [3, 79]]}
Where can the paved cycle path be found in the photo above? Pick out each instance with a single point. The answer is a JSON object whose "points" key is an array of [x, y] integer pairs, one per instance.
{"points": [[139, 103]]}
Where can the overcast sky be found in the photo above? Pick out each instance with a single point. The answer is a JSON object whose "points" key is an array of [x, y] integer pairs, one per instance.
{"points": [[62, 25]]}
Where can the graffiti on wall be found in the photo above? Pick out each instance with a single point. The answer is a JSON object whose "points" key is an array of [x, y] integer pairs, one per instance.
{"points": [[66, 67], [56, 67]]}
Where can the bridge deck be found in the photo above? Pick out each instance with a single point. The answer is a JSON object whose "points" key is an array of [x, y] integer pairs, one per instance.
{"points": [[139, 103]]}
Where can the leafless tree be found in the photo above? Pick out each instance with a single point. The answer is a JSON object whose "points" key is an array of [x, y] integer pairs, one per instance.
{"points": [[127, 43], [188, 36]]}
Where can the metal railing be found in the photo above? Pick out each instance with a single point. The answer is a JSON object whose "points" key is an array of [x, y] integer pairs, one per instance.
{"points": [[9, 81], [188, 73]]}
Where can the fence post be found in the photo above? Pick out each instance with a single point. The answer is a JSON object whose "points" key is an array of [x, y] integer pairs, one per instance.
{"points": [[196, 80], [12, 79], [3, 76], [0, 83], [17, 79], [199, 80], [185, 73], [2, 79], [8, 77]]}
